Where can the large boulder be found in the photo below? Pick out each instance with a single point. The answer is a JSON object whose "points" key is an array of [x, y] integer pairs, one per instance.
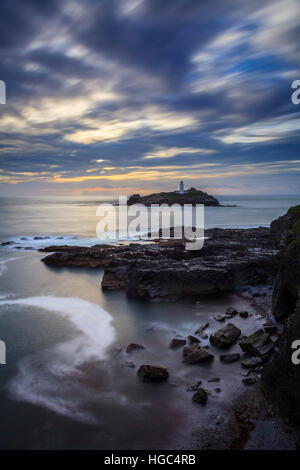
{"points": [[153, 373], [225, 337], [257, 344]]}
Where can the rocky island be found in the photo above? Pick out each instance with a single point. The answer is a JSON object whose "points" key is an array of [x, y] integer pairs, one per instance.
{"points": [[190, 196]]}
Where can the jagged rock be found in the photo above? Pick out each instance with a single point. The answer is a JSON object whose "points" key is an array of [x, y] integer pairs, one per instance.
{"points": [[229, 358], [257, 344], [218, 390], [214, 379], [194, 355], [249, 381], [225, 337], [155, 373], [252, 362], [193, 340], [244, 314], [177, 342], [200, 396], [134, 347]]}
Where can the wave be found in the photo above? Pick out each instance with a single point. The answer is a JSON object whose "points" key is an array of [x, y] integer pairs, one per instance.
{"points": [[4, 262], [52, 378], [35, 243]]}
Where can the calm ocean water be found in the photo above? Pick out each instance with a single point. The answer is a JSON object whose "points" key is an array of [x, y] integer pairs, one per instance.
{"points": [[66, 383], [76, 216]]}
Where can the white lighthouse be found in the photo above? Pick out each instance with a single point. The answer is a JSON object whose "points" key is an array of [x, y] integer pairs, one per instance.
{"points": [[181, 188]]}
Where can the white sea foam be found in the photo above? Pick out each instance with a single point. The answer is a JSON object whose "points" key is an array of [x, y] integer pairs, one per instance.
{"points": [[4, 262], [50, 378]]}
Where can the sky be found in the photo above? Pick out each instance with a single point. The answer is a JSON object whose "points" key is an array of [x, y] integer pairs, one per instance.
{"points": [[107, 97]]}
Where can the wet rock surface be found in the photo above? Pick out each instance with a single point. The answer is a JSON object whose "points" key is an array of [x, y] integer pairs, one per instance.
{"points": [[229, 358], [257, 344], [225, 337], [200, 396], [153, 373], [252, 362], [177, 342], [194, 355]]}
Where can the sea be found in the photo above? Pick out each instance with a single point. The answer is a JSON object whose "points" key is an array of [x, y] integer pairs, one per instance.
{"points": [[67, 381]]}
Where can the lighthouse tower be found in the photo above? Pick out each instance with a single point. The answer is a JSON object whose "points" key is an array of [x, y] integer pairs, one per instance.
{"points": [[181, 188]]}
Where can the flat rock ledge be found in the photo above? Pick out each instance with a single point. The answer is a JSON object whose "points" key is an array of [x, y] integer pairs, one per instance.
{"points": [[165, 270]]}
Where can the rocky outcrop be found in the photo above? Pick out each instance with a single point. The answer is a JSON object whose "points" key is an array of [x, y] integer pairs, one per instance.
{"points": [[286, 232], [165, 270], [173, 273], [191, 196], [281, 377]]}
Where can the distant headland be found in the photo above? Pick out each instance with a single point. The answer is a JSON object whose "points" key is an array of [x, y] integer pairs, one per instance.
{"points": [[188, 196]]}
